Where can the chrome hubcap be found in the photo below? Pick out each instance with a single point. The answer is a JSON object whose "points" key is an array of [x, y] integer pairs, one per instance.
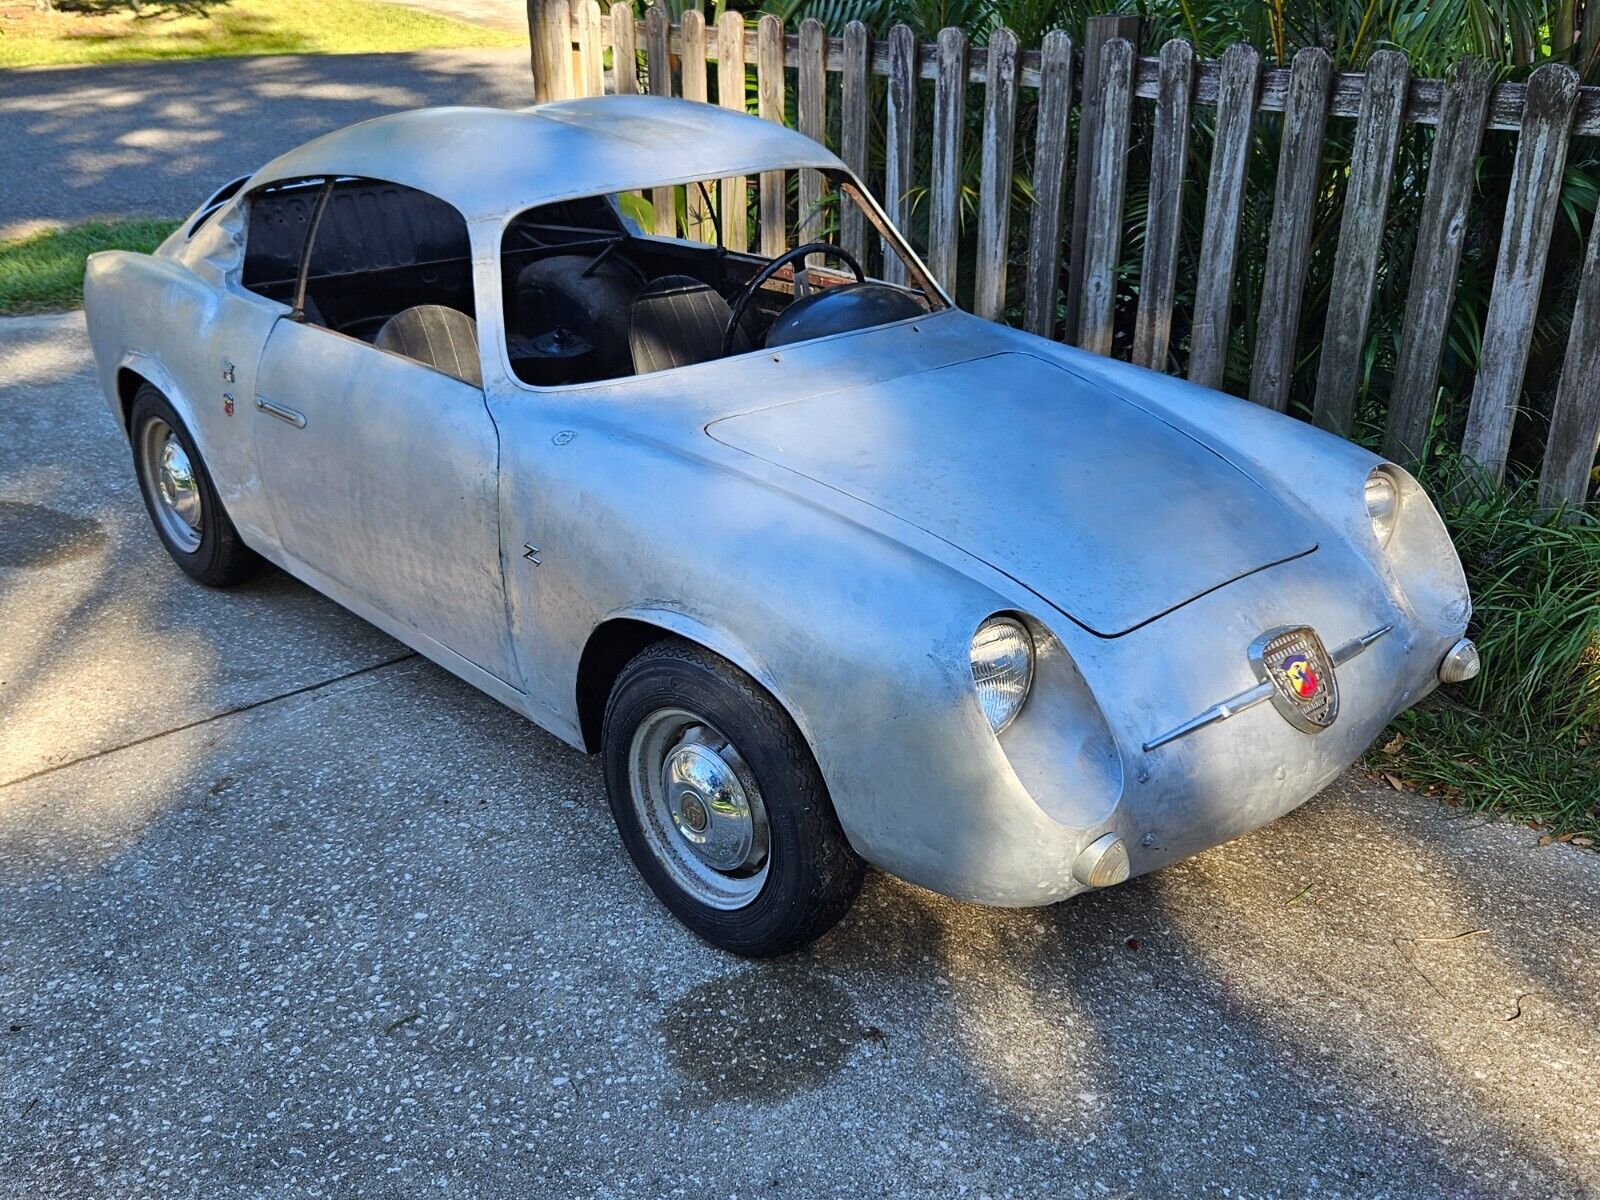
{"points": [[700, 808], [170, 478]]}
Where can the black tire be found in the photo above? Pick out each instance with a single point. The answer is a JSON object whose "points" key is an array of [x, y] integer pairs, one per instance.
{"points": [[219, 559], [811, 874]]}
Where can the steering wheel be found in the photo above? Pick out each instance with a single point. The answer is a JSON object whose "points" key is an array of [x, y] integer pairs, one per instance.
{"points": [[802, 281]]}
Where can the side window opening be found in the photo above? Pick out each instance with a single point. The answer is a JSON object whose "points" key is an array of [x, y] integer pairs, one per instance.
{"points": [[218, 198], [591, 295], [388, 265]]}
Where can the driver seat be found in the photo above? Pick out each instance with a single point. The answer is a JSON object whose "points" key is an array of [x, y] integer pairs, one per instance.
{"points": [[678, 321]]}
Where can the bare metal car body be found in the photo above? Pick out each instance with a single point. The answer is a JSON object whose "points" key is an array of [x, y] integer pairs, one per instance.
{"points": [[836, 518]]}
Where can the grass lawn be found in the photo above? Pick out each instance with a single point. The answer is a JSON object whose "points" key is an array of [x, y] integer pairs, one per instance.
{"points": [[44, 271], [96, 32]]}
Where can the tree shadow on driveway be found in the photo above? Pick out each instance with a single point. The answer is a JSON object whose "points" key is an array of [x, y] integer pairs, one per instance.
{"points": [[157, 138]]}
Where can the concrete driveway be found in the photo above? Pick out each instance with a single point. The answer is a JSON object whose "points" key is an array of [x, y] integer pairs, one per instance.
{"points": [[155, 139], [288, 911]]}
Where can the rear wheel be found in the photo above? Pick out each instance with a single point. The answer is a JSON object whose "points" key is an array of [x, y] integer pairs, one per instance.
{"points": [[180, 497], [720, 804]]}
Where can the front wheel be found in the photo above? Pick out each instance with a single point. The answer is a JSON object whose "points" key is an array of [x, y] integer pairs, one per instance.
{"points": [[720, 804], [180, 497]]}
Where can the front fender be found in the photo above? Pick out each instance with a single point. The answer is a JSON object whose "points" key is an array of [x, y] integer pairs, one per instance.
{"points": [[153, 316]]}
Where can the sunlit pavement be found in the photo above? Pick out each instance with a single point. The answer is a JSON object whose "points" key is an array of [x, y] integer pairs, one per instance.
{"points": [[289, 912], [155, 139]]}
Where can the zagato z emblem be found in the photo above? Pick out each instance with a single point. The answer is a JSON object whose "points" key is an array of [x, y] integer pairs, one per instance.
{"points": [[1304, 689]]}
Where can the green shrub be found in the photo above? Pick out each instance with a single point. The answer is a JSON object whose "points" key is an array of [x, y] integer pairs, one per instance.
{"points": [[1524, 737]]}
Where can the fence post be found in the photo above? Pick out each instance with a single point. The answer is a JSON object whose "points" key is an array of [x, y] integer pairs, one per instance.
{"points": [[900, 140], [1097, 31], [1355, 263], [994, 187], [1305, 121], [1102, 240], [550, 43], [1535, 197], [1049, 184], [944, 182], [1169, 157], [1440, 233]]}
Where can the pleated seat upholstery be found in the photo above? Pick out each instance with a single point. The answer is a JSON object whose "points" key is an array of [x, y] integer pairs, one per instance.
{"points": [[675, 322], [445, 339]]}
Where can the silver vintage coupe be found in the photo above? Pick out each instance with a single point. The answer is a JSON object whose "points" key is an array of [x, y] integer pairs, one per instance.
{"points": [[828, 571]]}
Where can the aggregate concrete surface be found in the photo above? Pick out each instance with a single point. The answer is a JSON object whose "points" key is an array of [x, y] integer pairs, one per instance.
{"points": [[288, 911]]}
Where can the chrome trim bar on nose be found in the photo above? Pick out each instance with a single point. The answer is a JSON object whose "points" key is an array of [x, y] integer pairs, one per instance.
{"points": [[1259, 694]]}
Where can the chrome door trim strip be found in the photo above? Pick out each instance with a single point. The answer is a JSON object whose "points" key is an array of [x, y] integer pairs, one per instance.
{"points": [[296, 419]]}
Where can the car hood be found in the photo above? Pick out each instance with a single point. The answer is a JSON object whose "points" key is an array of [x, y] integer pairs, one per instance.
{"points": [[1096, 505]]}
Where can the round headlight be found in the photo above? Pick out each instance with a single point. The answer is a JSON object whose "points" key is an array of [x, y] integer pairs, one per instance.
{"points": [[1002, 669], [1383, 505]]}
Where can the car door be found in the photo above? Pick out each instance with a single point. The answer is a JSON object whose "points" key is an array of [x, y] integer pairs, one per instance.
{"points": [[382, 472]]}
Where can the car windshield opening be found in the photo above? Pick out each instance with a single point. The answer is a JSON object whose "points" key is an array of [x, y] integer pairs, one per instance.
{"points": [[629, 283]]}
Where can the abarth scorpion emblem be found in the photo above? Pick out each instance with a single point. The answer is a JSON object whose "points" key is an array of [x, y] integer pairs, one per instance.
{"points": [[1304, 689]]}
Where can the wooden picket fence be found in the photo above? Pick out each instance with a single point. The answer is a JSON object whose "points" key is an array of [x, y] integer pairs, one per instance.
{"points": [[570, 43]]}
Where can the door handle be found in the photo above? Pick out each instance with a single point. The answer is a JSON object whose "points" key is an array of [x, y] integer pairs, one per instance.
{"points": [[298, 420]]}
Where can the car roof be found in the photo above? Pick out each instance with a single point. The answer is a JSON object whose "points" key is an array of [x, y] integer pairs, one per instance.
{"points": [[491, 162]]}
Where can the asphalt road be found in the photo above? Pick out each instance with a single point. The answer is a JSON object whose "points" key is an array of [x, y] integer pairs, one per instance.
{"points": [[285, 911], [155, 139]]}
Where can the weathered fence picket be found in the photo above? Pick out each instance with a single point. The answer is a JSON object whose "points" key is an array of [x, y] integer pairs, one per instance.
{"points": [[591, 49], [700, 225], [854, 95], [1043, 283], [1355, 263], [658, 69], [994, 177], [1169, 157], [770, 93], [1575, 422], [1097, 32], [813, 120], [1440, 234], [730, 94], [624, 47], [1108, 175], [1219, 241], [1519, 273], [899, 137], [1070, 284], [944, 174], [1305, 117]]}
